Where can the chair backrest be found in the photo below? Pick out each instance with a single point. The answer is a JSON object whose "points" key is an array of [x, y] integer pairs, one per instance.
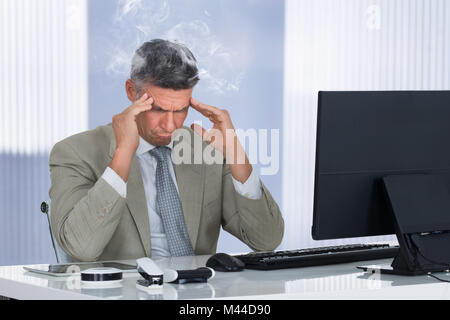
{"points": [[61, 255]]}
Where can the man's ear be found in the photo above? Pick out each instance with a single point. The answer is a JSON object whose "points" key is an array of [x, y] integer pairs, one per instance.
{"points": [[131, 90]]}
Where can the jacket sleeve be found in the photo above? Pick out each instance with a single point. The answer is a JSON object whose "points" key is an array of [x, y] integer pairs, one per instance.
{"points": [[258, 223], [85, 212]]}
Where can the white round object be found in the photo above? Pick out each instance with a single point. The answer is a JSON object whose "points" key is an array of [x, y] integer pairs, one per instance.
{"points": [[102, 274]]}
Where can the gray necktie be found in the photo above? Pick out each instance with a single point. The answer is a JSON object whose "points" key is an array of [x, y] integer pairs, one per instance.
{"points": [[169, 206]]}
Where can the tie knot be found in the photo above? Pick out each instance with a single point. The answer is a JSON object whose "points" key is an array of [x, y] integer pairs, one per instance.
{"points": [[160, 153]]}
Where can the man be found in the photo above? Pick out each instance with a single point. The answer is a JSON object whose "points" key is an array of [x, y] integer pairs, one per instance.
{"points": [[117, 194]]}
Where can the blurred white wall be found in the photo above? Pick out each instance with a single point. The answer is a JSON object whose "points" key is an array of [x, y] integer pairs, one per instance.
{"points": [[350, 45], [43, 83], [43, 98]]}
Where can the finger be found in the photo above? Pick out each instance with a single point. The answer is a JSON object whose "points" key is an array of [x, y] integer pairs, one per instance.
{"points": [[143, 103], [139, 108], [209, 136], [136, 104], [198, 129], [204, 109], [149, 100], [142, 98], [214, 119]]}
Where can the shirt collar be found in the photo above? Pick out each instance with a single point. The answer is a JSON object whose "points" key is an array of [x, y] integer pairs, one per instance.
{"points": [[145, 147]]}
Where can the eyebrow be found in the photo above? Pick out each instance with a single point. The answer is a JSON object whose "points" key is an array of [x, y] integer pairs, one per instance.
{"points": [[158, 108]]}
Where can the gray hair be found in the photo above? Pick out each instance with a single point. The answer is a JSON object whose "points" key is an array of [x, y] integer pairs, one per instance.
{"points": [[164, 64]]}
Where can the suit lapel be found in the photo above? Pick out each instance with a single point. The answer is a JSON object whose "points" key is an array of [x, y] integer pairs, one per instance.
{"points": [[136, 199], [190, 180], [137, 203]]}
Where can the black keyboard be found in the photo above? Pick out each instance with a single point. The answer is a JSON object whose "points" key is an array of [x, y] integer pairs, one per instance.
{"points": [[317, 256]]}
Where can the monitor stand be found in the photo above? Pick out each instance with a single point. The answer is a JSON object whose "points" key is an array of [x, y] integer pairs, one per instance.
{"points": [[420, 204]]}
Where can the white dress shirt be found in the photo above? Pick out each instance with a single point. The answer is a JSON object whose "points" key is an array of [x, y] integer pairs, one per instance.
{"points": [[250, 189]]}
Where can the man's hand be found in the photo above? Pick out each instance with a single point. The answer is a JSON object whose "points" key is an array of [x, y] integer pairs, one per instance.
{"points": [[127, 135], [229, 144], [221, 125]]}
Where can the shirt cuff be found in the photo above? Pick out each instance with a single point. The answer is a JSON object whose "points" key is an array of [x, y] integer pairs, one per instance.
{"points": [[115, 181], [251, 188]]}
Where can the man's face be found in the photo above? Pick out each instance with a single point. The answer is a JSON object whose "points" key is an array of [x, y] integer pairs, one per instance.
{"points": [[170, 109]]}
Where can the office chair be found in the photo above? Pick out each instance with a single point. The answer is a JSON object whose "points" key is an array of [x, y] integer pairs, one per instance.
{"points": [[61, 255]]}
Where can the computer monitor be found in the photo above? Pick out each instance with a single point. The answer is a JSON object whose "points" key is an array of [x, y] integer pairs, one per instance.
{"points": [[363, 136]]}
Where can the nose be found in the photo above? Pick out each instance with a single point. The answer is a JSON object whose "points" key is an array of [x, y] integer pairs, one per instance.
{"points": [[168, 123]]}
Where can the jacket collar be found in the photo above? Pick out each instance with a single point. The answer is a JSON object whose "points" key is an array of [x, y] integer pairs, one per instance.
{"points": [[145, 147]]}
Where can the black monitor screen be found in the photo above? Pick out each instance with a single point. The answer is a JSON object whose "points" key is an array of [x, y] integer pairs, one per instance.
{"points": [[363, 136]]}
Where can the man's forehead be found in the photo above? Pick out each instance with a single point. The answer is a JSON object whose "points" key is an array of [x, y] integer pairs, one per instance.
{"points": [[167, 107], [169, 99], [169, 104]]}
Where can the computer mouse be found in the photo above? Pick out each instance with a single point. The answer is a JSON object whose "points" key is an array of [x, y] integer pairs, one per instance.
{"points": [[225, 263]]}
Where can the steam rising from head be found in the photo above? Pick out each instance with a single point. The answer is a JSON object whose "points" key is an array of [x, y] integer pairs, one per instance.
{"points": [[164, 64], [221, 67]]}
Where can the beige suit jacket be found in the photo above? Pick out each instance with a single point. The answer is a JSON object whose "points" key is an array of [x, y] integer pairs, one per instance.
{"points": [[91, 221]]}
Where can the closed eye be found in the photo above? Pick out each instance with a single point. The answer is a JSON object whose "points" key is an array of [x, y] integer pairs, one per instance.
{"points": [[157, 109], [182, 110]]}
